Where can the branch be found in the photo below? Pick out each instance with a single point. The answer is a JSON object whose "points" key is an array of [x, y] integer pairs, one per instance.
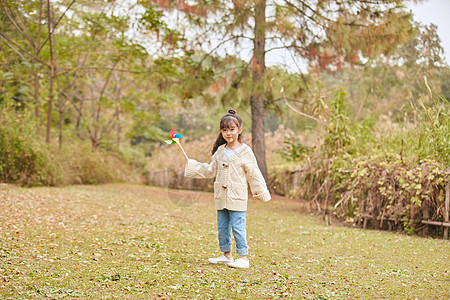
{"points": [[73, 102], [106, 129], [56, 24], [278, 48], [79, 66], [64, 71], [219, 45], [295, 110], [7, 41], [307, 16], [4, 37], [18, 28], [38, 38], [112, 69], [108, 78], [296, 64]]}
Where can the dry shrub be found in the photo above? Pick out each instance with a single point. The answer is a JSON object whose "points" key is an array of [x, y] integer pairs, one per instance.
{"points": [[387, 172], [393, 191], [82, 165]]}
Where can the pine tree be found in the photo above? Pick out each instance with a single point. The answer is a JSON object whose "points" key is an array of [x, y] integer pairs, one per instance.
{"points": [[327, 33]]}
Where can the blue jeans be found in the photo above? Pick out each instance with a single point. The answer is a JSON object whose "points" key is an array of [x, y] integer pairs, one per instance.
{"points": [[228, 220]]}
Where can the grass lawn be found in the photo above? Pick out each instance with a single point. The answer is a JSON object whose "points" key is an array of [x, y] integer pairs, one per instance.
{"points": [[137, 242]]}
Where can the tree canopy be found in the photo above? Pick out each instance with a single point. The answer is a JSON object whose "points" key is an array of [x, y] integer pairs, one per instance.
{"points": [[115, 72]]}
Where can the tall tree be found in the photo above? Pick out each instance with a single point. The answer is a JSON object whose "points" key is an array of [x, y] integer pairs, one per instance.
{"points": [[52, 71], [27, 20], [327, 33], [101, 76], [19, 15], [107, 83]]}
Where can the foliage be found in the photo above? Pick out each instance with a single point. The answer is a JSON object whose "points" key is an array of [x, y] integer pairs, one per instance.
{"points": [[390, 189], [27, 161], [102, 84], [125, 74], [21, 158], [360, 171], [294, 151], [435, 133], [337, 138], [324, 33], [386, 84], [109, 88], [82, 165]]}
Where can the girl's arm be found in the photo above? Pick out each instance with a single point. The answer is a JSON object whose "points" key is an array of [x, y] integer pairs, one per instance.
{"points": [[195, 169], [256, 180]]}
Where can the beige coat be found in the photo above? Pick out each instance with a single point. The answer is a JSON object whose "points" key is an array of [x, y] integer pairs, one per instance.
{"points": [[232, 177]]}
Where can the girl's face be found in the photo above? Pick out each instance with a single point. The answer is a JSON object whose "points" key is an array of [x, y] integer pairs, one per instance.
{"points": [[231, 133]]}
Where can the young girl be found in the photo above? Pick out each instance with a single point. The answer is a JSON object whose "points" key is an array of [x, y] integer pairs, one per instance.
{"points": [[233, 165]]}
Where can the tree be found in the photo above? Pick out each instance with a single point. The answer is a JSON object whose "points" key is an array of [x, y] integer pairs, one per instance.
{"points": [[389, 83], [327, 33], [17, 15], [27, 19], [92, 60], [113, 82]]}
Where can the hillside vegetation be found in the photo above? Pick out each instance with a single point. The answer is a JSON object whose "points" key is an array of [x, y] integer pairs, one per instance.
{"points": [[89, 90]]}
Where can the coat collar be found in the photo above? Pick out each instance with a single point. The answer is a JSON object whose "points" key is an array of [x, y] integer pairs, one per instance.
{"points": [[237, 153]]}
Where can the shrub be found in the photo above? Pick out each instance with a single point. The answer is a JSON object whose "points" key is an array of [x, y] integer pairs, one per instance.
{"points": [[21, 160], [361, 170], [26, 161]]}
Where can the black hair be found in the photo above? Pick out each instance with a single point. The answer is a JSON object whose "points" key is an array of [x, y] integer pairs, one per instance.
{"points": [[227, 120]]}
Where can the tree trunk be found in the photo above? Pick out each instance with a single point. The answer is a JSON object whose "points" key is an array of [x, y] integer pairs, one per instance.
{"points": [[36, 102], [119, 112], [257, 97], [95, 143], [119, 125], [52, 74], [36, 75], [61, 113]]}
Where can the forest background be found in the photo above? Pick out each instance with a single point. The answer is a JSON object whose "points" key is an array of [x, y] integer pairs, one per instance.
{"points": [[357, 123]]}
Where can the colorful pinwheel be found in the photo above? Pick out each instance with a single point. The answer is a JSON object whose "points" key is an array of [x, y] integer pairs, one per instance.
{"points": [[175, 138]]}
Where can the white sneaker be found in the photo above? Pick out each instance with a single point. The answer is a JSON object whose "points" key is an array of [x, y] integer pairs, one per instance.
{"points": [[239, 263], [220, 260]]}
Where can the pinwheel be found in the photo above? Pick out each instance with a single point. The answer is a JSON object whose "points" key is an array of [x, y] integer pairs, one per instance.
{"points": [[175, 138]]}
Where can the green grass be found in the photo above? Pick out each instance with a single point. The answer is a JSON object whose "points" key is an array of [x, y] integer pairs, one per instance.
{"points": [[137, 242]]}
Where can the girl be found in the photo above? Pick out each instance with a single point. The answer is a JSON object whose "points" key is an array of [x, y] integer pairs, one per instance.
{"points": [[233, 165]]}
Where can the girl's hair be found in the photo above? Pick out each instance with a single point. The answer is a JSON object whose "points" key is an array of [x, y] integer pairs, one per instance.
{"points": [[227, 120]]}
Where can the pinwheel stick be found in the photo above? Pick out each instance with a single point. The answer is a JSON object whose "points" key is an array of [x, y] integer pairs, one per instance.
{"points": [[182, 149]]}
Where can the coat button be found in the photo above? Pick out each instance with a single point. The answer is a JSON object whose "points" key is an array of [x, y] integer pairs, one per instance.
{"points": [[224, 186]]}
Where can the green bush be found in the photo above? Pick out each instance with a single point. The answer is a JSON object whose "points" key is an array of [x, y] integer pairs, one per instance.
{"points": [[386, 171], [27, 161], [21, 158]]}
